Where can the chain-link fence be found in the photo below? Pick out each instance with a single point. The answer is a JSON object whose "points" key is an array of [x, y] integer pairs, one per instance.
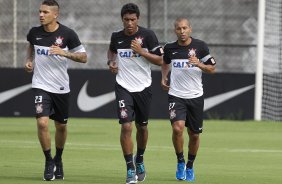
{"points": [[229, 27]]}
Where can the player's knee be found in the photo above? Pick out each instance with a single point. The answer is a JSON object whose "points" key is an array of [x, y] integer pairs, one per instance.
{"points": [[42, 124], [177, 128], [61, 127], [142, 129], [126, 128], [194, 137]]}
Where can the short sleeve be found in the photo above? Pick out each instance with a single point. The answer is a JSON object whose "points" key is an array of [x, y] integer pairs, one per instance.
{"points": [[112, 46], [153, 44], [204, 51], [73, 40], [166, 56]]}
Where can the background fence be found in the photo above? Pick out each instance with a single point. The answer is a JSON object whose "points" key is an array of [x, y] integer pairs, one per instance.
{"points": [[228, 26]]}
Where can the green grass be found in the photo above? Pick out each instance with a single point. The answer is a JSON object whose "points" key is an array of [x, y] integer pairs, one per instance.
{"points": [[231, 152]]}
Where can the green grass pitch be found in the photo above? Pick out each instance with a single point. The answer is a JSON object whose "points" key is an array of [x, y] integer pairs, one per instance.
{"points": [[231, 152]]}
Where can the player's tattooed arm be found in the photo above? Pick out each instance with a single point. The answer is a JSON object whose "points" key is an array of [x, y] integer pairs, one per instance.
{"points": [[80, 57]]}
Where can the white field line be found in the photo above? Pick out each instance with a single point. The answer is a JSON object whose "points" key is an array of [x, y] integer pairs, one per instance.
{"points": [[253, 151], [82, 146]]}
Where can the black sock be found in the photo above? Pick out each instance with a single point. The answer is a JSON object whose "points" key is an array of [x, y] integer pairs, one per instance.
{"points": [[48, 155], [180, 157], [139, 155], [129, 161], [190, 162], [58, 156]]}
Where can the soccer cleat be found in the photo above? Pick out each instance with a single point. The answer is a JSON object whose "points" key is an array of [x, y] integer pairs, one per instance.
{"points": [[190, 175], [180, 172], [140, 171], [59, 172], [49, 171], [131, 176]]}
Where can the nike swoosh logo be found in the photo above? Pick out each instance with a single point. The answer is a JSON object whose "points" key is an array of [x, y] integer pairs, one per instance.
{"points": [[7, 95], [87, 103], [218, 99]]}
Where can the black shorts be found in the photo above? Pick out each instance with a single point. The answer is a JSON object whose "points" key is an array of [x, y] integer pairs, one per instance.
{"points": [[56, 106], [189, 110], [133, 106]]}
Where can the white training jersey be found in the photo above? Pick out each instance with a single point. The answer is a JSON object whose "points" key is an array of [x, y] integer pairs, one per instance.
{"points": [[134, 71], [186, 79], [50, 71]]}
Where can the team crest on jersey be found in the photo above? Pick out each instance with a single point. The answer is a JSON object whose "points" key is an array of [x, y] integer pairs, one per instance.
{"points": [[172, 114], [123, 113], [192, 52], [59, 41], [39, 108], [139, 39]]}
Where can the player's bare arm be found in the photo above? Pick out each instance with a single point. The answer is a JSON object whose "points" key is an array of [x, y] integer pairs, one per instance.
{"points": [[29, 59], [165, 70], [80, 57], [153, 58], [112, 61], [205, 68]]}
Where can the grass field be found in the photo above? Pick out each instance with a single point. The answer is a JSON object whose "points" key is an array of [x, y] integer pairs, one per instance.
{"points": [[231, 152]]}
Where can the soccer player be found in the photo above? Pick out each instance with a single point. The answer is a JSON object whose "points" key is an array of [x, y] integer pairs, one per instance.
{"points": [[51, 46], [131, 52], [188, 57]]}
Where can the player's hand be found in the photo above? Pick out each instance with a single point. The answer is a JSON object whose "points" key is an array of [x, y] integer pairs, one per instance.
{"points": [[56, 50], [28, 66], [193, 60], [136, 47], [164, 84], [113, 67]]}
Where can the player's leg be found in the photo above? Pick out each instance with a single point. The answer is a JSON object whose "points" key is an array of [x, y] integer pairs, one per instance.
{"points": [[60, 140], [178, 142], [126, 139], [125, 113], [127, 149], [42, 111], [44, 135], [178, 139], [193, 146], [60, 137], [177, 112], [45, 141], [142, 109], [195, 125], [141, 139], [60, 117]]}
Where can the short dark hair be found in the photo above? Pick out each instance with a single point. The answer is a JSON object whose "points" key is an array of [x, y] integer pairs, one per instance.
{"points": [[181, 19], [51, 3], [130, 8]]}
